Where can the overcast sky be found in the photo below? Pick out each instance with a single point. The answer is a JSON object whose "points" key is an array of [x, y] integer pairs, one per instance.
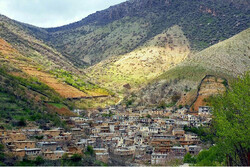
{"points": [[52, 13]]}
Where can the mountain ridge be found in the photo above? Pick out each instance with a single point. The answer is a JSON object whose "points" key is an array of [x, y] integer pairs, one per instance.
{"points": [[99, 35]]}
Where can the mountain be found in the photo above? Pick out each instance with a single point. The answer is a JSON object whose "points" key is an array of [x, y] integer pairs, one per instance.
{"points": [[37, 78], [224, 62], [128, 46], [122, 28], [148, 61]]}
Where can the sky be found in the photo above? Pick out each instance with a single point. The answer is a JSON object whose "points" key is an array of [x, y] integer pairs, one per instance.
{"points": [[52, 13]]}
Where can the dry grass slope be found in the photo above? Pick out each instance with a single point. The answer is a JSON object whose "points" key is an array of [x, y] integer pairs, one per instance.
{"points": [[227, 59], [26, 65], [136, 68]]}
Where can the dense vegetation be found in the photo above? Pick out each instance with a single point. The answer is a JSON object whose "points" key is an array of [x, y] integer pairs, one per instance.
{"points": [[230, 128], [23, 100]]}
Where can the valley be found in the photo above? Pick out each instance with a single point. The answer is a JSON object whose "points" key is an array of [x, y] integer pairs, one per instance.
{"points": [[144, 82]]}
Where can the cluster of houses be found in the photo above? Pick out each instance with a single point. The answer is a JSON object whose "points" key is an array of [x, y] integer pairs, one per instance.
{"points": [[144, 136]]}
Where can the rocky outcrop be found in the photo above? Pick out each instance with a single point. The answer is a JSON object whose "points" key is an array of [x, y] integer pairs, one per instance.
{"points": [[210, 86]]}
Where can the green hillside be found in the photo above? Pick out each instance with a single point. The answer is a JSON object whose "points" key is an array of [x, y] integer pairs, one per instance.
{"points": [[23, 100], [126, 46], [122, 28], [148, 61], [227, 59], [31, 56]]}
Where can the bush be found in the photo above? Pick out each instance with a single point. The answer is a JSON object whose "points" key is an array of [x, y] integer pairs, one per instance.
{"points": [[39, 161], [90, 151], [21, 122], [188, 158]]}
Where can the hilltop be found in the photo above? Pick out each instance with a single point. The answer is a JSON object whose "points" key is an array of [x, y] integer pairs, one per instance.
{"points": [[124, 27]]}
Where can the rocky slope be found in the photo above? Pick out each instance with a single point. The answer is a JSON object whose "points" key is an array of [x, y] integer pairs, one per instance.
{"points": [[209, 86], [122, 28], [227, 59]]}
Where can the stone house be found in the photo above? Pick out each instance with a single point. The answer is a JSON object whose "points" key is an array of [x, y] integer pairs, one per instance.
{"points": [[158, 158], [17, 136], [24, 144]]}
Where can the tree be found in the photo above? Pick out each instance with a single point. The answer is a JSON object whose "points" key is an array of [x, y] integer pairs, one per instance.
{"points": [[76, 158], [149, 116], [22, 122], [188, 158], [231, 113], [90, 151], [39, 160]]}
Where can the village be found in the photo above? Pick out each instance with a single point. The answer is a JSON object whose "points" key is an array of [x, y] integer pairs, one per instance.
{"points": [[137, 136]]}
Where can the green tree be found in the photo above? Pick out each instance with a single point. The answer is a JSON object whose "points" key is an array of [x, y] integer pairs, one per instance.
{"points": [[22, 122], [148, 116], [188, 158], [90, 151], [211, 157], [232, 122], [76, 158], [39, 160]]}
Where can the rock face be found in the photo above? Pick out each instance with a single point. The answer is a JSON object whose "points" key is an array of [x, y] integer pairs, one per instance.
{"points": [[208, 87]]}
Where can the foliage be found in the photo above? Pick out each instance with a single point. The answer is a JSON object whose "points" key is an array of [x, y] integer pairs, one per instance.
{"points": [[89, 151], [78, 82], [176, 97], [203, 132], [162, 104], [17, 104], [129, 102], [79, 160], [39, 161], [180, 106], [74, 160], [212, 157], [230, 128], [231, 121], [110, 114], [39, 137], [2, 156], [21, 122], [188, 158], [57, 105]]}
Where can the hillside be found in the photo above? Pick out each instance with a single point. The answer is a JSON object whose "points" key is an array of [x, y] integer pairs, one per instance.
{"points": [[33, 57], [225, 60], [34, 96], [127, 46], [136, 68], [122, 28]]}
